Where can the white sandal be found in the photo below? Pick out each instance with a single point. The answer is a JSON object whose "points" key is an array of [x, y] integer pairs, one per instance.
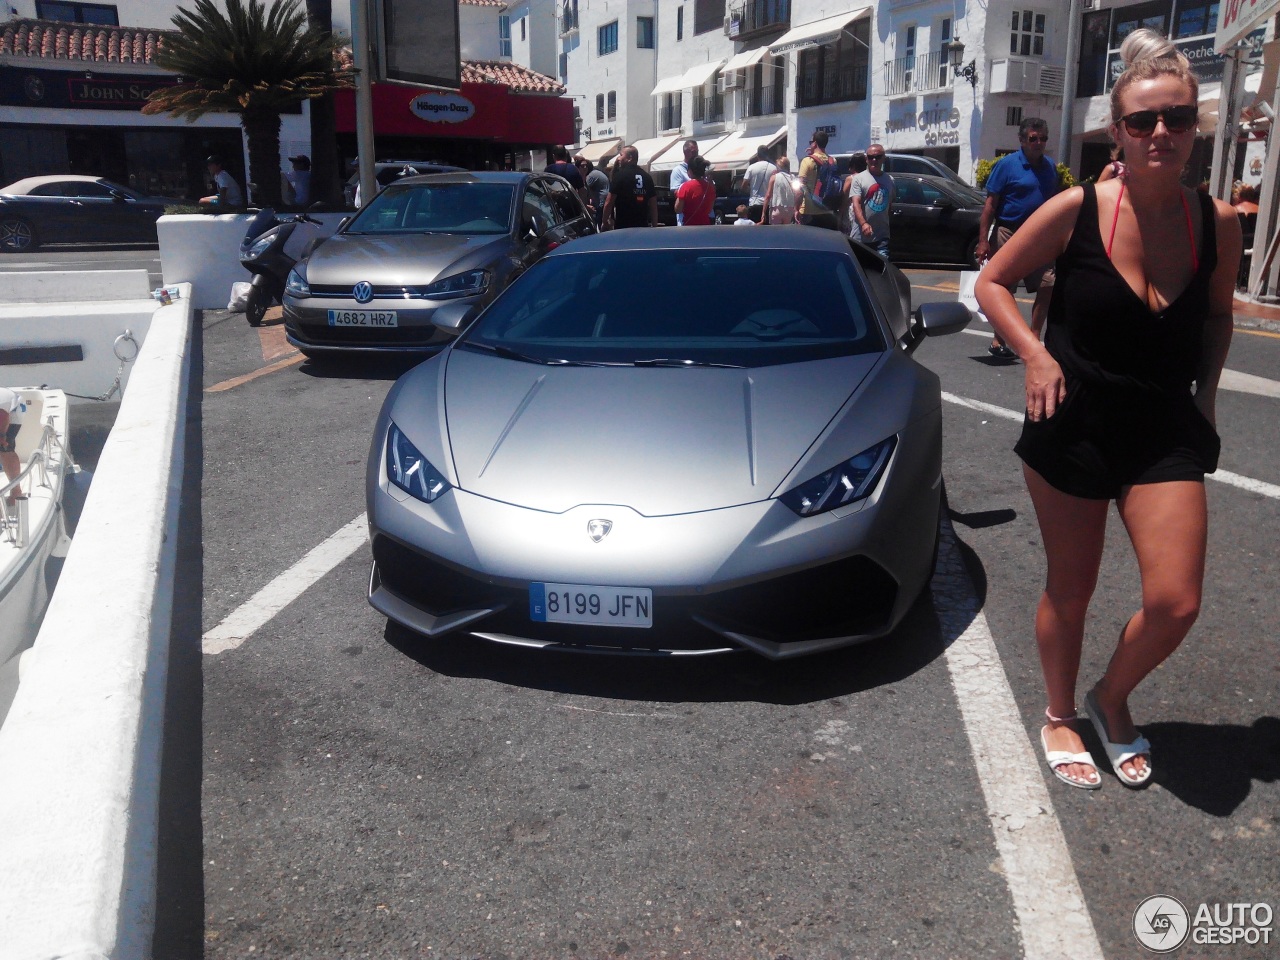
{"points": [[1120, 753], [1056, 759]]}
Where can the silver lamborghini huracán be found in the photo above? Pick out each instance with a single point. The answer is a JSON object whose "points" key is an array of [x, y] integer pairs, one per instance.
{"points": [[668, 442]]}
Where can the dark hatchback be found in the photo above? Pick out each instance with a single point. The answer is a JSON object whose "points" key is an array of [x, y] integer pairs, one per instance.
{"points": [[934, 220], [71, 209]]}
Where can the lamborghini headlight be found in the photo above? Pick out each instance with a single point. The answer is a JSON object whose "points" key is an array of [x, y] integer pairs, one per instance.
{"points": [[844, 483], [411, 471]]}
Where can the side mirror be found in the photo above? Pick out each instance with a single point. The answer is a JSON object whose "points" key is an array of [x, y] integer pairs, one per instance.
{"points": [[342, 224], [942, 202], [937, 320], [533, 227], [119, 197], [454, 317]]}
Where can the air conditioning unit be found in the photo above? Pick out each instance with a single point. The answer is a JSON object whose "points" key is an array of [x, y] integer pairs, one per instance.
{"points": [[728, 81]]}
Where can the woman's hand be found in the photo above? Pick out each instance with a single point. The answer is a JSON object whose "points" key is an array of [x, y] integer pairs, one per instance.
{"points": [[1045, 384]]}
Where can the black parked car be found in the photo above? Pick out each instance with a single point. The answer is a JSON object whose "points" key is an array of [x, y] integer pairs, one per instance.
{"points": [[389, 171], [67, 208], [934, 220]]}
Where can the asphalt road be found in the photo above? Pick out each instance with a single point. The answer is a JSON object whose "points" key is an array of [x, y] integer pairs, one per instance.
{"points": [[335, 786]]}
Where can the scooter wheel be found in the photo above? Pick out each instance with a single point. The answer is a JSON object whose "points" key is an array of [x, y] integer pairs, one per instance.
{"points": [[255, 309]]}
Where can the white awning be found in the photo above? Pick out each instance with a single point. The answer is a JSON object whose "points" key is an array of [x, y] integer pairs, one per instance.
{"points": [[738, 149], [696, 76], [747, 58], [648, 149], [668, 85], [815, 34], [597, 150], [674, 155]]}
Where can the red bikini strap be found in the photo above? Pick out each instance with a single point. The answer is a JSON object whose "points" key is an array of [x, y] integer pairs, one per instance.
{"points": [[1191, 233]]}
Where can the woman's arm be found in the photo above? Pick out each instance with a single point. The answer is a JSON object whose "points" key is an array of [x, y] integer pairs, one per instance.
{"points": [[1219, 324], [1038, 242]]}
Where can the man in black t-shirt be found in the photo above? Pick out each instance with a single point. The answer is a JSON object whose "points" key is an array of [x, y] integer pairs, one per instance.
{"points": [[632, 201]]}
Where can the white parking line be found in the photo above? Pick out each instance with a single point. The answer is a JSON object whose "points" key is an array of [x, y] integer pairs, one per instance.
{"points": [[1222, 476], [240, 625], [1052, 916]]}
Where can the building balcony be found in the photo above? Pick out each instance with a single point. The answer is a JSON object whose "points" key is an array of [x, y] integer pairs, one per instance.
{"points": [[762, 102], [922, 73], [832, 86], [568, 23], [709, 109], [754, 17]]}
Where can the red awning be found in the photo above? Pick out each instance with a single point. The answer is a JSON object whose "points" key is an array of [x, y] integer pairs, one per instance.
{"points": [[478, 111]]}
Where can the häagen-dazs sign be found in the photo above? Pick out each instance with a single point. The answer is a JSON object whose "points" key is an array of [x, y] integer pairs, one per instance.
{"points": [[442, 107]]}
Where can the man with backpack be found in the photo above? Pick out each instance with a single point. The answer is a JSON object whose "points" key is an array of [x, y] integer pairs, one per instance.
{"points": [[820, 180]]}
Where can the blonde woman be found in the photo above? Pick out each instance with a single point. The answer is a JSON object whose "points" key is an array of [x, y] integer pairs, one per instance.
{"points": [[1142, 313]]}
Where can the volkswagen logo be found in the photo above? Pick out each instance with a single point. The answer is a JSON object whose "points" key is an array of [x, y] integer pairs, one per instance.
{"points": [[362, 291], [599, 529]]}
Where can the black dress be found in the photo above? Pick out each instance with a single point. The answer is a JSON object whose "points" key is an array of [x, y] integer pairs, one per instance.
{"points": [[1128, 415]]}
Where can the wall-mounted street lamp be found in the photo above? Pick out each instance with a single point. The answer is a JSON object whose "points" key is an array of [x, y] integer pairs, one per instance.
{"points": [[955, 55]]}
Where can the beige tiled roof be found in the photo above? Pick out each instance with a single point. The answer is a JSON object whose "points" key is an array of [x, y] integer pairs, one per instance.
{"points": [[82, 42]]}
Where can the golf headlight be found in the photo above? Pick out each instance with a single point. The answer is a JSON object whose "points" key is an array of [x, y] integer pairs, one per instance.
{"points": [[410, 470], [845, 483], [258, 249], [296, 285], [469, 284]]}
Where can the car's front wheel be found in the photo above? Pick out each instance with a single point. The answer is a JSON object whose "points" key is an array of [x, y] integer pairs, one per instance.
{"points": [[17, 235], [971, 253]]}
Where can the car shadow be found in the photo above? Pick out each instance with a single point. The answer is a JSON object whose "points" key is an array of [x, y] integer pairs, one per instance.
{"points": [[714, 678], [1211, 767], [391, 367]]}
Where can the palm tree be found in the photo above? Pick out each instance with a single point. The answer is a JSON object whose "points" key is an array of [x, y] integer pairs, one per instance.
{"points": [[253, 60]]}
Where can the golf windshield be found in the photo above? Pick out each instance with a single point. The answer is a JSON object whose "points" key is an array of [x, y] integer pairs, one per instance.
{"points": [[733, 307], [461, 208]]}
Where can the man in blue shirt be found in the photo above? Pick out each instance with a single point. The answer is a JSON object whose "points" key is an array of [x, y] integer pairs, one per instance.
{"points": [[1018, 186]]}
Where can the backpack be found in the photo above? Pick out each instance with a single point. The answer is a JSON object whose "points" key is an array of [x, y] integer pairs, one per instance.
{"points": [[827, 189]]}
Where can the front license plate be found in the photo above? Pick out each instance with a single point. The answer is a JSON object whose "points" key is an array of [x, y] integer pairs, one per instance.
{"points": [[363, 318], [589, 604]]}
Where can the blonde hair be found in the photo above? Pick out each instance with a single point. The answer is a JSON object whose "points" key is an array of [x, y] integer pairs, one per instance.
{"points": [[1147, 55]]}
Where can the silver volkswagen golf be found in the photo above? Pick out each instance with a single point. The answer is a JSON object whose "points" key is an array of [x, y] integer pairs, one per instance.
{"points": [[668, 441], [421, 243]]}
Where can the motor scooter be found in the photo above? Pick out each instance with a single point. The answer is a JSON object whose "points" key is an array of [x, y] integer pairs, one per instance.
{"points": [[263, 254]]}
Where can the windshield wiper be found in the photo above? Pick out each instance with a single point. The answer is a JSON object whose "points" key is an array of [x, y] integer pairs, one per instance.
{"points": [[669, 362], [511, 354]]}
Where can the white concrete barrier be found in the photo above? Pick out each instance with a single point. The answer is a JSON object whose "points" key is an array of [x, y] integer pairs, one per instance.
{"points": [[80, 749], [205, 251]]}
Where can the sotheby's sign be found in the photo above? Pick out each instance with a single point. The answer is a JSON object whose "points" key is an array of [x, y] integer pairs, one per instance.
{"points": [[442, 107]]}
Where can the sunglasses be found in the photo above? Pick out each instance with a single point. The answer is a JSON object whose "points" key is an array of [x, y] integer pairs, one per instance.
{"points": [[1142, 123], [875, 157], [1036, 138]]}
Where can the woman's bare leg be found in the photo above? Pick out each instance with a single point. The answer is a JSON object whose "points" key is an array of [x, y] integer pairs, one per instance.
{"points": [[1073, 530], [1168, 525]]}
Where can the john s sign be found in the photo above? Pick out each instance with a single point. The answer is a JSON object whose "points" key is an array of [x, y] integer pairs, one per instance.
{"points": [[442, 108]]}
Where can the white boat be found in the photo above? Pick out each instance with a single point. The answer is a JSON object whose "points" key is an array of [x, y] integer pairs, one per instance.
{"points": [[32, 529]]}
